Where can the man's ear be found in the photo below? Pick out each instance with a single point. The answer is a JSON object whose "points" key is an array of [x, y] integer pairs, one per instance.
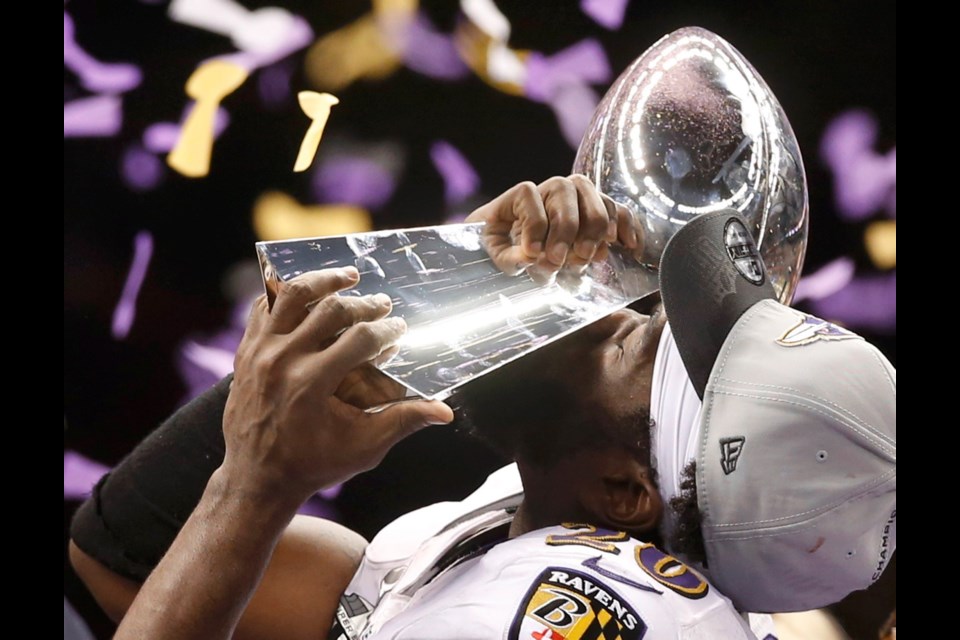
{"points": [[625, 494]]}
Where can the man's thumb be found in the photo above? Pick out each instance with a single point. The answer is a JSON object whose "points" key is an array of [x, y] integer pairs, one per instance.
{"points": [[412, 415]]}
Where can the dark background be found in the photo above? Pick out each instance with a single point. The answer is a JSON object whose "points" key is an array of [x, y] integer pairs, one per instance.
{"points": [[820, 58]]}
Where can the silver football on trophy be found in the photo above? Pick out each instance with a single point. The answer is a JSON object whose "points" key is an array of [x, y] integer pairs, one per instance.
{"points": [[691, 127]]}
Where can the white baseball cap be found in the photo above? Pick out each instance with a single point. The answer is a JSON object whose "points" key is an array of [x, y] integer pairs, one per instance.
{"points": [[796, 445]]}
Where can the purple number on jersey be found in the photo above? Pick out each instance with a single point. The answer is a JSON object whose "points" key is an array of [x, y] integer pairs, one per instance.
{"points": [[588, 535], [670, 572]]}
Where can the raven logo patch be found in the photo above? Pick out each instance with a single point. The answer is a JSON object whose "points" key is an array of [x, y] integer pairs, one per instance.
{"points": [[563, 604], [812, 329]]}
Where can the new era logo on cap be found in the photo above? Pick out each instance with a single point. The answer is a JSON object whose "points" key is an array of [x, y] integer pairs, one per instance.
{"points": [[730, 449]]}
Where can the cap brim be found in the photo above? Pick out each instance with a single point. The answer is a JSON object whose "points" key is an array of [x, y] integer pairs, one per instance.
{"points": [[710, 274]]}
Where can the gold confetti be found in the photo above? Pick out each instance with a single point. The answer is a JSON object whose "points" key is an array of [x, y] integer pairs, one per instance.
{"points": [[208, 85], [476, 48], [277, 216], [348, 54], [880, 239], [317, 107], [370, 47]]}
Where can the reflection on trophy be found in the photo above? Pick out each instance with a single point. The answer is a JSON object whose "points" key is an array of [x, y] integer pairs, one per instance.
{"points": [[688, 128]]}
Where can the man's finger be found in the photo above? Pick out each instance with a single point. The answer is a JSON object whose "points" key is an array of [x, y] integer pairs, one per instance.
{"points": [[629, 232], [359, 344], [594, 220], [508, 257], [602, 252], [335, 313], [259, 314], [516, 212], [386, 356], [519, 211], [395, 423], [295, 295], [528, 208], [561, 203], [631, 229], [366, 387]]}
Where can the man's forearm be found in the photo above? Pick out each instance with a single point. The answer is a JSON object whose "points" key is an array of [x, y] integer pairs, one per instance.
{"points": [[136, 511], [204, 582], [286, 435]]}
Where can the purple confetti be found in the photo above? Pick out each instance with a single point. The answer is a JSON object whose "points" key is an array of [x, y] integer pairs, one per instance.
{"points": [[456, 218], [460, 181], [80, 474], [94, 75], [330, 493], [241, 310], [355, 180], [74, 627], [140, 169], [273, 85], [867, 302], [606, 13], [215, 360], [864, 181], [202, 362], [573, 105], [162, 137], [582, 63], [828, 280], [93, 117], [432, 53], [317, 507], [126, 309]]}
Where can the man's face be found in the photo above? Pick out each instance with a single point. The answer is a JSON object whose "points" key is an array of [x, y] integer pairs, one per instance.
{"points": [[610, 363], [599, 381], [588, 390]]}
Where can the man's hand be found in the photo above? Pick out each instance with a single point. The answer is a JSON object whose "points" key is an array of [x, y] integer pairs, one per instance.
{"points": [[293, 422], [287, 434], [562, 222]]}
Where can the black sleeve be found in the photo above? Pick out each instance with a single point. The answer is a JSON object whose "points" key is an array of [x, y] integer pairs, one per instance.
{"points": [[136, 510]]}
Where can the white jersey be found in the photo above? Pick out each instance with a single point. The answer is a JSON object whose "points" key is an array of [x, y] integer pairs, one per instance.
{"points": [[447, 572]]}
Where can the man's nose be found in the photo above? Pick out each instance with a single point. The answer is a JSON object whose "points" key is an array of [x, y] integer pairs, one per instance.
{"points": [[609, 324]]}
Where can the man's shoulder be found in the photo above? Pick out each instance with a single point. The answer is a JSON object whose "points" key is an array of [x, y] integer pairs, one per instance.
{"points": [[569, 582], [592, 557], [449, 568], [405, 535]]}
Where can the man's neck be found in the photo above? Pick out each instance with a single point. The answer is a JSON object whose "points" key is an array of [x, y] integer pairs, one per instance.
{"points": [[522, 522], [548, 501], [527, 518]]}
